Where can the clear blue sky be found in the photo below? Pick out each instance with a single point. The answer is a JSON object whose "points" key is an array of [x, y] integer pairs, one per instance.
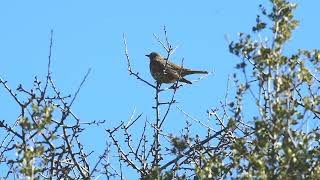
{"points": [[88, 34]]}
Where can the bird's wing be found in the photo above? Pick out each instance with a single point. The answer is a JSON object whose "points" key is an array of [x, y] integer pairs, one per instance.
{"points": [[174, 66], [171, 70]]}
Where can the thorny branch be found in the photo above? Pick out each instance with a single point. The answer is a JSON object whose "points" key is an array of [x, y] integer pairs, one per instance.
{"points": [[149, 158], [131, 72], [41, 150]]}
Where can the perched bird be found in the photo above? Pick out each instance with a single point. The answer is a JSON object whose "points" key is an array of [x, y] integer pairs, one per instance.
{"points": [[170, 72]]}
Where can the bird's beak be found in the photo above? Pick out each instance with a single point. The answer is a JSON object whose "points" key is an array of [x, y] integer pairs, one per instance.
{"points": [[147, 55]]}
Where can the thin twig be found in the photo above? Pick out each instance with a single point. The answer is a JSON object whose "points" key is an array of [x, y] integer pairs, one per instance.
{"points": [[78, 90], [195, 146], [49, 63], [131, 72], [195, 119]]}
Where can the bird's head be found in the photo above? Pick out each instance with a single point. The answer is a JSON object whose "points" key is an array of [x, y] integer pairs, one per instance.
{"points": [[153, 56]]}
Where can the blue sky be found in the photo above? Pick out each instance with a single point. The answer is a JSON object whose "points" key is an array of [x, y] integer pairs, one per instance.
{"points": [[88, 34]]}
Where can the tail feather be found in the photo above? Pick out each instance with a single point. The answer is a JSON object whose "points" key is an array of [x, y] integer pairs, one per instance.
{"points": [[187, 72], [185, 80]]}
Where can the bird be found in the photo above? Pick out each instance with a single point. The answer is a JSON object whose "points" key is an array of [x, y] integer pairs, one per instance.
{"points": [[165, 71]]}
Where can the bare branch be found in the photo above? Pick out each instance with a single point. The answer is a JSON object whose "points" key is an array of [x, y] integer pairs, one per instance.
{"points": [[78, 90], [136, 74]]}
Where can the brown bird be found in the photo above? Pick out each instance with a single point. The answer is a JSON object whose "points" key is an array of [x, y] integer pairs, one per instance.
{"points": [[169, 73]]}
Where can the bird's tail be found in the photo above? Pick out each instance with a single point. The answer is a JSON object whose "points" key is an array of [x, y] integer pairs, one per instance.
{"points": [[185, 80], [189, 71]]}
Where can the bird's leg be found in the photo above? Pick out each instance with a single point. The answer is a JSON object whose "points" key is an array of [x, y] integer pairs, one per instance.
{"points": [[174, 86], [158, 86]]}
